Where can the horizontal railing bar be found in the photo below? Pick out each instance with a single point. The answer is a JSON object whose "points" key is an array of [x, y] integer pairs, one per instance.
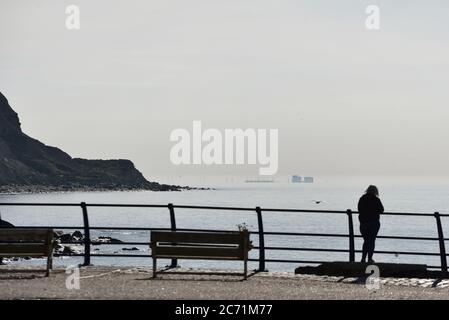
{"points": [[302, 234], [118, 205], [146, 244], [418, 214], [304, 249], [102, 255], [304, 211], [292, 261], [251, 259], [402, 237], [406, 253], [93, 228], [115, 255], [316, 262], [112, 255], [99, 243], [276, 248], [149, 256], [133, 255], [112, 205], [251, 232], [37, 204], [283, 249], [214, 208], [50, 227], [128, 228], [340, 235], [205, 207], [346, 250]]}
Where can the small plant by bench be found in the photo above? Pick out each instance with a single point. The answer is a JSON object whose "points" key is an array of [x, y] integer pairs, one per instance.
{"points": [[16, 242], [232, 245]]}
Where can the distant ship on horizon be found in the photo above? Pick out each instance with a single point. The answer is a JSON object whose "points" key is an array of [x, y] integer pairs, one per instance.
{"points": [[299, 179]]}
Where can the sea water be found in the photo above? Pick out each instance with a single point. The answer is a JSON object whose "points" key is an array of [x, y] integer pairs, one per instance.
{"points": [[396, 197]]}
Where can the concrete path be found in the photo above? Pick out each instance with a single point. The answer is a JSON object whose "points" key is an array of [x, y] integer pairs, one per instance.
{"points": [[136, 283]]}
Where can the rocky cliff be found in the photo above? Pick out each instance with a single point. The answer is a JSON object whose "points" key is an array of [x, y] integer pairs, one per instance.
{"points": [[28, 165]]}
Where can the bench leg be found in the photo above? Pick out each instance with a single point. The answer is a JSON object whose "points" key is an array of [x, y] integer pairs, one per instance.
{"points": [[49, 264], [245, 271], [154, 267]]}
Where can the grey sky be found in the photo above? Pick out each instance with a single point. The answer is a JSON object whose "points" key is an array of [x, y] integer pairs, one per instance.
{"points": [[346, 101]]}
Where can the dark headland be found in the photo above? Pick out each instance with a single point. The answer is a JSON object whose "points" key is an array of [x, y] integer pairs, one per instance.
{"points": [[27, 165]]}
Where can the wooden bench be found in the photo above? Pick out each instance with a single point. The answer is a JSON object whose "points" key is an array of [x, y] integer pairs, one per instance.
{"points": [[233, 245], [16, 242]]}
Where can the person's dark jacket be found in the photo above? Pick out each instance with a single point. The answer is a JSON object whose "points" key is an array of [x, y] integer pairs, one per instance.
{"points": [[370, 208]]}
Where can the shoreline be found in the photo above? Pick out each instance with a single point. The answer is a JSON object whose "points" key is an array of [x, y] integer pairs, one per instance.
{"points": [[31, 190]]}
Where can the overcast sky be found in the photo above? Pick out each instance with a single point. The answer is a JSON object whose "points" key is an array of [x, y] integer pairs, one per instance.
{"points": [[346, 100]]}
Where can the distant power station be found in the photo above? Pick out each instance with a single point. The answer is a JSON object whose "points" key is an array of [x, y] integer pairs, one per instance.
{"points": [[299, 179]]}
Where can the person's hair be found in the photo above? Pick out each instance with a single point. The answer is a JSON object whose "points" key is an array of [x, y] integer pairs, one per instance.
{"points": [[372, 190]]}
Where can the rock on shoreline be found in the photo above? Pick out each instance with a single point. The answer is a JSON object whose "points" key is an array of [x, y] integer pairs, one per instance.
{"points": [[36, 189]]}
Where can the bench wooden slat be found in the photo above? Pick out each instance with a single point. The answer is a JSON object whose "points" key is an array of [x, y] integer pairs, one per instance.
{"points": [[198, 258], [23, 249], [16, 234], [197, 237], [218, 252]]}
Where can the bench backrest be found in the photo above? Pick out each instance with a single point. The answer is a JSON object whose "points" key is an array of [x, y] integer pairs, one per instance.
{"points": [[229, 245], [25, 242]]}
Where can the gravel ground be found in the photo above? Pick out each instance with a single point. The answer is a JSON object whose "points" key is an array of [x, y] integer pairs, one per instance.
{"points": [[136, 283]]}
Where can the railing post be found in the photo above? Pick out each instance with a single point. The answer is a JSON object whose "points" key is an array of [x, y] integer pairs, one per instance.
{"points": [[442, 245], [351, 236], [261, 241], [86, 235], [174, 262]]}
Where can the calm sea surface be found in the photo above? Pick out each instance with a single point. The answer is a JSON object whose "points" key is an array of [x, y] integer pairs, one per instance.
{"points": [[396, 198]]}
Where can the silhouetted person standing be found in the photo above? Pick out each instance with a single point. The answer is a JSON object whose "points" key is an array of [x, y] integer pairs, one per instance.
{"points": [[370, 208]]}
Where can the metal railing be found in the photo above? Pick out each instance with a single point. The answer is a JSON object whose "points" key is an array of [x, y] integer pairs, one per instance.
{"points": [[261, 247]]}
